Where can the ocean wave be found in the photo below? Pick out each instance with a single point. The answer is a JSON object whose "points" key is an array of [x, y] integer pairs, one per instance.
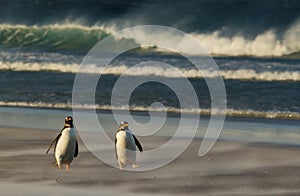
{"points": [[241, 74], [229, 112], [77, 37], [266, 44], [52, 37], [39, 66]]}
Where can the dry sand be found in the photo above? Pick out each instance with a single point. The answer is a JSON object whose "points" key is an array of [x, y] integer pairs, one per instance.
{"points": [[231, 168]]}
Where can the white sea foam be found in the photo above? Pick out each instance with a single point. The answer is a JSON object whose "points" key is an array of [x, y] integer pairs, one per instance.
{"points": [[241, 74], [35, 66], [61, 26], [203, 111], [267, 43]]}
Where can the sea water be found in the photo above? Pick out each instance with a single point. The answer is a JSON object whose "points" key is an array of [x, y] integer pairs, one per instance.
{"points": [[43, 44], [241, 129]]}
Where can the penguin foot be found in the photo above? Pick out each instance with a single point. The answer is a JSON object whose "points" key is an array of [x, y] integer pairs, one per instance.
{"points": [[135, 165], [121, 166], [55, 164], [67, 167]]}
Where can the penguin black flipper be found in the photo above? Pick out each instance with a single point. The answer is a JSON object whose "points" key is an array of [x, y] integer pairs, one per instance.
{"points": [[116, 148], [55, 141], [137, 143], [76, 150]]}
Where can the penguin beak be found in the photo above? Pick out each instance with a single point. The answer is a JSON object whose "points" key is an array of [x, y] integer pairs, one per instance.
{"points": [[124, 124]]}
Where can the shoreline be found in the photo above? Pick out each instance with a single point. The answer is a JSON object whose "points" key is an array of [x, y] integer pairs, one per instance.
{"points": [[170, 114], [234, 129]]}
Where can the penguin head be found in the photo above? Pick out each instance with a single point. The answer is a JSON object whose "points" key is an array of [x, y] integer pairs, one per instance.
{"points": [[123, 125], [69, 121]]}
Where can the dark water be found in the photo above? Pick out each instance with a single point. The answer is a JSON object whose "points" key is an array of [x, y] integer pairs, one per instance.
{"points": [[245, 97], [254, 43]]}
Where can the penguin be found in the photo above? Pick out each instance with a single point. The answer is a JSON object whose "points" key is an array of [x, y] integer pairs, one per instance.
{"points": [[125, 146], [66, 145]]}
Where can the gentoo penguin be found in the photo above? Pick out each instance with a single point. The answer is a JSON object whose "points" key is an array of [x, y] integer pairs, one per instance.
{"points": [[125, 146], [66, 145]]}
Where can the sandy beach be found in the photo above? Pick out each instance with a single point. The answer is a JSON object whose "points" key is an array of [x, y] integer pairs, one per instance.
{"points": [[181, 74], [231, 168]]}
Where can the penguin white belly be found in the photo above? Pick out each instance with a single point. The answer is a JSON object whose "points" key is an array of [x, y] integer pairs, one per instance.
{"points": [[65, 147], [125, 147]]}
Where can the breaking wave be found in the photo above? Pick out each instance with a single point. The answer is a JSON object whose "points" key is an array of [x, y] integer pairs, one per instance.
{"points": [[71, 37], [265, 44], [229, 112], [75, 37], [241, 74]]}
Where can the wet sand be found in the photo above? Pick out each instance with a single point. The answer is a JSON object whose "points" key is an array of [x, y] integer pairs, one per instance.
{"points": [[230, 168]]}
